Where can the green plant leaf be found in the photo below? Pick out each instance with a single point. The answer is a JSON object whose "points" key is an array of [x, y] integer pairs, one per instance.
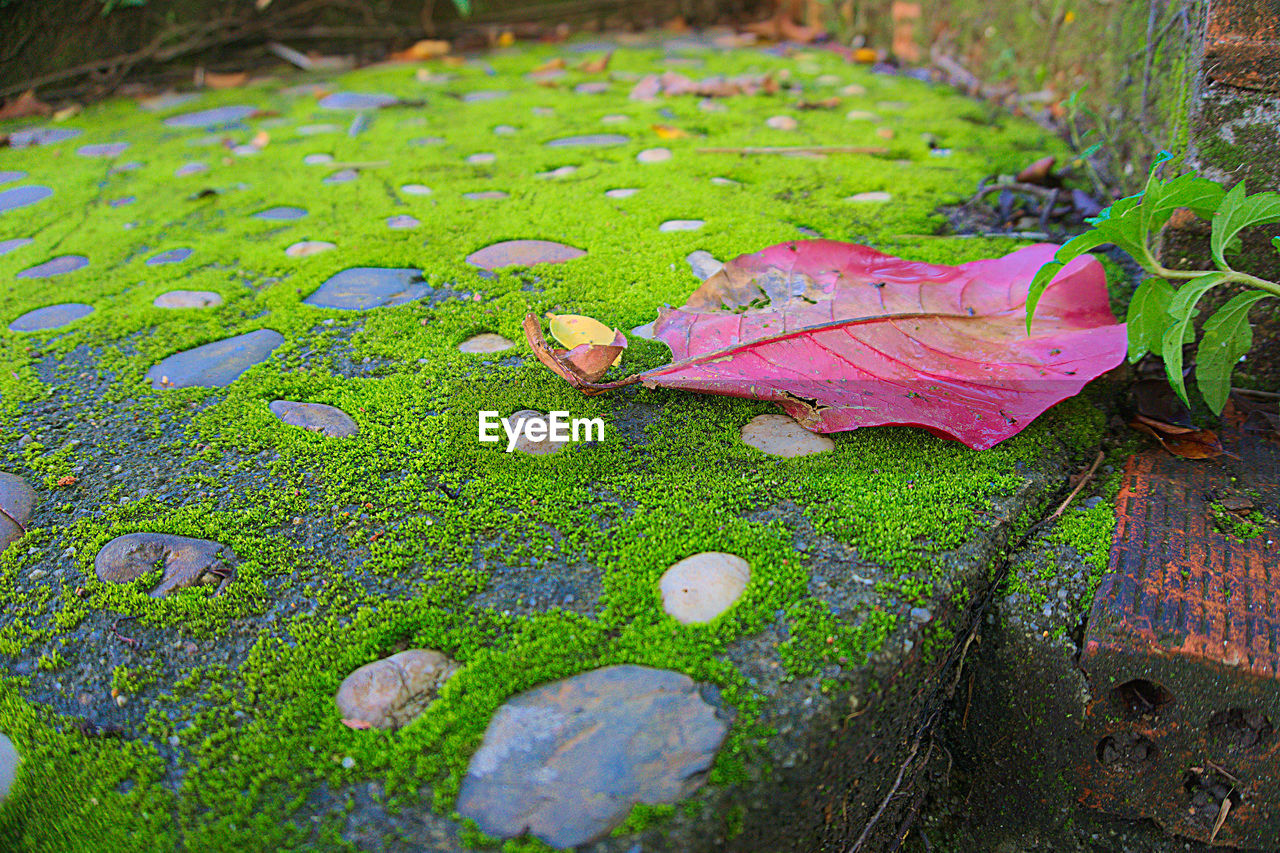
{"points": [[1239, 211], [1227, 337], [1148, 316], [1069, 251], [1183, 309], [463, 7], [1275, 241], [1200, 195]]}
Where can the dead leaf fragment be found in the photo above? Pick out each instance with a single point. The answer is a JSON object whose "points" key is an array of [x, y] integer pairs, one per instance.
{"points": [[596, 66], [1040, 172], [24, 106], [666, 131], [825, 104], [214, 80], [421, 51], [1180, 441], [556, 64]]}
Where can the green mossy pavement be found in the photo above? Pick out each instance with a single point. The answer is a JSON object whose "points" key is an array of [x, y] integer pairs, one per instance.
{"points": [[412, 533]]}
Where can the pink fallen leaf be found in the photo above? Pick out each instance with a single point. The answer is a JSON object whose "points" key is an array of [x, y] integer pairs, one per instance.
{"points": [[842, 336]]}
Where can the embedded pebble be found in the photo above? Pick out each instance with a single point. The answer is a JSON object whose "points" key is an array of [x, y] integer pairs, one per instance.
{"points": [[356, 101], [308, 247], [402, 222], [280, 214], [504, 130], [590, 140], [7, 246], [168, 100], [567, 761], [50, 317], [681, 225], [654, 155], [16, 197], [415, 189], [594, 87], [9, 761], [42, 136], [485, 343], [780, 435], [423, 141], [190, 169], [562, 172], [317, 129], [478, 97], [17, 499], [188, 299], [876, 196], [782, 123], [703, 264], [861, 115], [215, 364], [394, 691], [920, 615], [57, 266], [487, 195], [102, 149], [626, 192], [361, 288], [315, 417], [187, 561], [172, 256], [523, 253], [854, 90], [317, 159], [725, 182], [525, 444], [478, 159], [125, 167], [209, 119], [342, 176], [699, 588], [9, 176], [122, 202]]}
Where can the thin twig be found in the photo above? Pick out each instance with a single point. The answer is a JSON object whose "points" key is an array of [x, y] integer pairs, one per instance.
{"points": [[1088, 475], [902, 771], [1249, 392], [1223, 811]]}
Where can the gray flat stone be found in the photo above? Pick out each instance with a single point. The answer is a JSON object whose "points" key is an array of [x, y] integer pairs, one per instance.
{"points": [[681, 225], [590, 140], [7, 246], [187, 561], [478, 97], [308, 247], [167, 101], [9, 761], [392, 692], [566, 761], [8, 177], [57, 266], [315, 417], [486, 195], [172, 256], [342, 176], [281, 214], [125, 201], [42, 136], [402, 222], [102, 149], [357, 101], [703, 264], [15, 197], [50, 317], [188, 299], [17, 499], [215, 364], [210, 119], [523, 253], [361, 288]]}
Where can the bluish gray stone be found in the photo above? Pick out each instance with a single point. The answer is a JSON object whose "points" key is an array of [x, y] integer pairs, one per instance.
{"points": [[315, 417], [209, 119], [215, 364], [57, 266], [102, 149], [172, 256], [566, 761], [281, 214], [187, 561], [42, 136], [7, 246], [9, 762], [8, 177], [17, 499], [356, 101], [361, 288], [50, 317], [15, 197], [591, 140]]}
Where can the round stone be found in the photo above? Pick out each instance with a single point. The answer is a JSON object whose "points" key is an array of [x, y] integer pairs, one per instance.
{"points": [[7, 246], [478, 97], [544, 446], [172, 256], [392, 692], [415, 189], [58, 266], [17, 499], [876, 197], [317, 159], [42, 136], [315, 417], [186, 561], [596, 87], [8, 177], [16, 197], [485, 343], [725, 182], [356, 101], [624, 192], [480, 159], [281, 214], [362, 288], [782, 123], [523, 253], [9, 761], [50, 317], [102, 149], [681, 225], [699, 588], [654, 155], [555, 174], [342, 176], [504, 130], [190, 169], [861, 115], [188, 299], [317, 129], [780, 435], [487, 195], [402, 222], [210, 119], [308, 247], [590, 140], [215, 364]]}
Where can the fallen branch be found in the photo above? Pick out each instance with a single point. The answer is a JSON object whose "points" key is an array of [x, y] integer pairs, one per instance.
{"points": [[1088, 475]]}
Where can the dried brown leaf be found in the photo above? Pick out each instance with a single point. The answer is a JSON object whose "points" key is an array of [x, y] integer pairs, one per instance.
{"points": [[24, 106]]}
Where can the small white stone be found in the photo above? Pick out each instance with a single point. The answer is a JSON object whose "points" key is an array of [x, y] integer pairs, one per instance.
{"points": [[654, 155], [525, 444], [861, 115], [391, 692], [878, 196], [699, 588], [415, 189], [782, 123], [621, 193], [853, 90], [402, 222], [562, 172], [725, 182], [485, 343], [188, 299], [614, 119], [780, 435], [317, 159], [348, 762], [308, 247], [477, 159], [504, 130], [681, 225], [9, 761]]}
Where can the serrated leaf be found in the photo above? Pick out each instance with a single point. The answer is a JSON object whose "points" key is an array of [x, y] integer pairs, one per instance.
{"points": [[1183, 309], [1237, 212], [1069, 251], [1200, 195], [1227, 337], [1190, 292], [1148, 316]]}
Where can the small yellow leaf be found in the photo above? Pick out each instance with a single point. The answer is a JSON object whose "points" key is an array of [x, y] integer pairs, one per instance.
{"points": [[507, 39], [572, 330], [666, 131]]}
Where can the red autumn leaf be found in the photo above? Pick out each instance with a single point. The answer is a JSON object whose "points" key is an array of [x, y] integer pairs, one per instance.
{"points": [[842, 336]]}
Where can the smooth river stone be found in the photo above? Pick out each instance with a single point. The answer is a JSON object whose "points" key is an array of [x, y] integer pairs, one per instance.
{"points": [[50, 317], [480, 159], [167, 101], [16, 197], [17, 499], [873, 197], [487, 195], [42, 136], [7, 246], [415, 189], [781, 435], [681, 225], [402, 222], [103, 149], [58, 266], [187, 561], [215, 364], [361, 288], [699, 588], [782, 123], [308, 247], [9, 761], [654, 155], [566, 761], [394, 691], [209, 119], [188, 299], [357, 101], [171, 256], [703, 264], [281, 214], [317, 159], [315, 417], [523, 253], [597, 87], [591, 140], [478, 97], [8, 177], [623, 192], [485, 342], [342, 176]]}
